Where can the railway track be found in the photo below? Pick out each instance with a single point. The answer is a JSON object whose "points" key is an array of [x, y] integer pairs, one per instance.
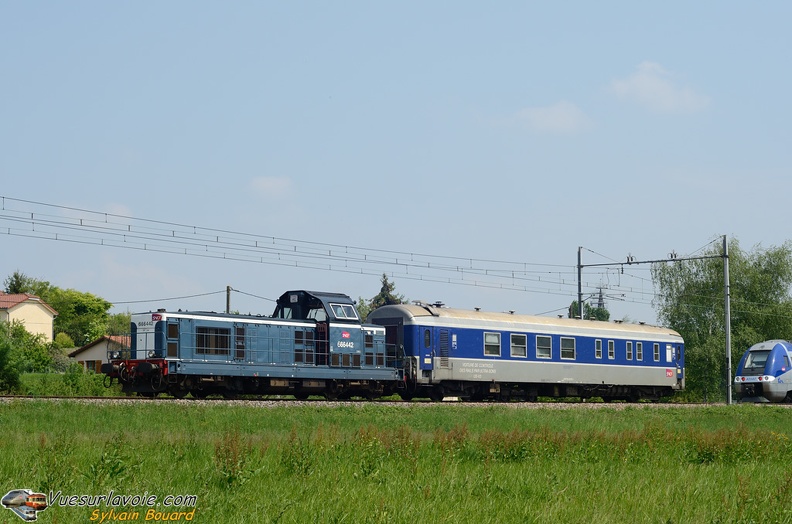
{"points": [[288, 402]]}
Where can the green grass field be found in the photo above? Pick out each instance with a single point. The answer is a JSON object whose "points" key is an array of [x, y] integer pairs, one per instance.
{"points": [[410, 463]]}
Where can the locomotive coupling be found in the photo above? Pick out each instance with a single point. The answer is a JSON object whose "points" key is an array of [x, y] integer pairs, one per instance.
{"points": [[111, 369], [148, 368]]}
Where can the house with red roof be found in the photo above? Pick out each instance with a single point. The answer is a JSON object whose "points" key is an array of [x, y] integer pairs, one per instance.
{"points": [[36, 315], [91, 356]]}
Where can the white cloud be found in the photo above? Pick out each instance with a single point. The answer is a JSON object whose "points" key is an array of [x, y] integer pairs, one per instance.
{"points": [[652, 86], [562, 117], [271, 186]]}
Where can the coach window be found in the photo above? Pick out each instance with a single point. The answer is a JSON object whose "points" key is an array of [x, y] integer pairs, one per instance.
{"points": [[544, 347], [518, 345], [567, 348], [629, 351], [639, 351], [611, 350], [492, 344], [597, 349], [657, 352]]}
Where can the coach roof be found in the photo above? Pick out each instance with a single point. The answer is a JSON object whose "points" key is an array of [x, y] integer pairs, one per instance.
{"points": [[464, 316]]}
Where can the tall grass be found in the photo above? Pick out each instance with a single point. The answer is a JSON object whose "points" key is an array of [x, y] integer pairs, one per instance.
{"points": [[417, 463]]}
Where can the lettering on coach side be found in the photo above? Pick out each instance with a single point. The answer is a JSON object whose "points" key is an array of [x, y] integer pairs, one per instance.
{"points": [[478, 369]]}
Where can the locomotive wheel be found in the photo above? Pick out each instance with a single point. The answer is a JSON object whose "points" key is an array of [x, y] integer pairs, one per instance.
{"points": [[199, 393], [178, 392]]}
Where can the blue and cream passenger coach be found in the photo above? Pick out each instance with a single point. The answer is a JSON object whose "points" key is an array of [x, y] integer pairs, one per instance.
{"points": [[478, 355]]}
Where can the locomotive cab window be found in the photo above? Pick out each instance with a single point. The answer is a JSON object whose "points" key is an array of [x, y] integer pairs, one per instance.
{"points": [[344, 311], [492, 344]]}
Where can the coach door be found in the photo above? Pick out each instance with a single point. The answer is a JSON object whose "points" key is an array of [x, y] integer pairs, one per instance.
{"points": [[427, 348]]}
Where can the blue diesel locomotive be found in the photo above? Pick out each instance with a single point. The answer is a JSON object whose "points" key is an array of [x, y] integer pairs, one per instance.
{"points": [[764, 373], [315, 344]]}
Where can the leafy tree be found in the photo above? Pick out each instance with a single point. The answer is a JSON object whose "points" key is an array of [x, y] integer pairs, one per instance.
{"points": [[82, 316], [589, 312], [690, 299], [119, 323], [9, 372], [62, 341], [363, 308], [28, 353]]}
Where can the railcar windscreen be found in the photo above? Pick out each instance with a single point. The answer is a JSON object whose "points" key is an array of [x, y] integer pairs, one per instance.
{"points": [[756, 359]]}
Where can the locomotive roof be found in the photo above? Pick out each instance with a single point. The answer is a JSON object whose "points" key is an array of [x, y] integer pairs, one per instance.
{"points": [[323, 296], [465, 316]]}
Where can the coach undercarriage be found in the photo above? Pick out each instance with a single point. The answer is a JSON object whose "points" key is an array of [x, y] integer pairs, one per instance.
{"points": [[505, 392]]}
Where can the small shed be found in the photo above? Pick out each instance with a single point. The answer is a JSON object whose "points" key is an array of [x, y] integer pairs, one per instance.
{"points": [[91, 356]]}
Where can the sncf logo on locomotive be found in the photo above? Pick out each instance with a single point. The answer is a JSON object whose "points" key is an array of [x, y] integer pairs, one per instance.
{"points": [[345, 334]]}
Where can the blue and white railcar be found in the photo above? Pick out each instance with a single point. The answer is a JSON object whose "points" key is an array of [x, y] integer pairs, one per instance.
{"points": [[764, 373], [478, 355], [314, 343]]}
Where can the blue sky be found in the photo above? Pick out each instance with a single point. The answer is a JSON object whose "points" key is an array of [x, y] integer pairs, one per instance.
{"points": [[514, 131]]}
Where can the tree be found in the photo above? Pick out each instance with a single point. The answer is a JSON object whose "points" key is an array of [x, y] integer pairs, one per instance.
{"points": [[19, 283], [9, 372], [82, 316], [27, 353], [119, 323], [385, 297], [690, 299], [589, 312]]}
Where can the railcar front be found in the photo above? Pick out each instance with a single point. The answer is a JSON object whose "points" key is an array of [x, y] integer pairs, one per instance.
{"points": [[478, 355], [314, 343], [764, 373]]}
